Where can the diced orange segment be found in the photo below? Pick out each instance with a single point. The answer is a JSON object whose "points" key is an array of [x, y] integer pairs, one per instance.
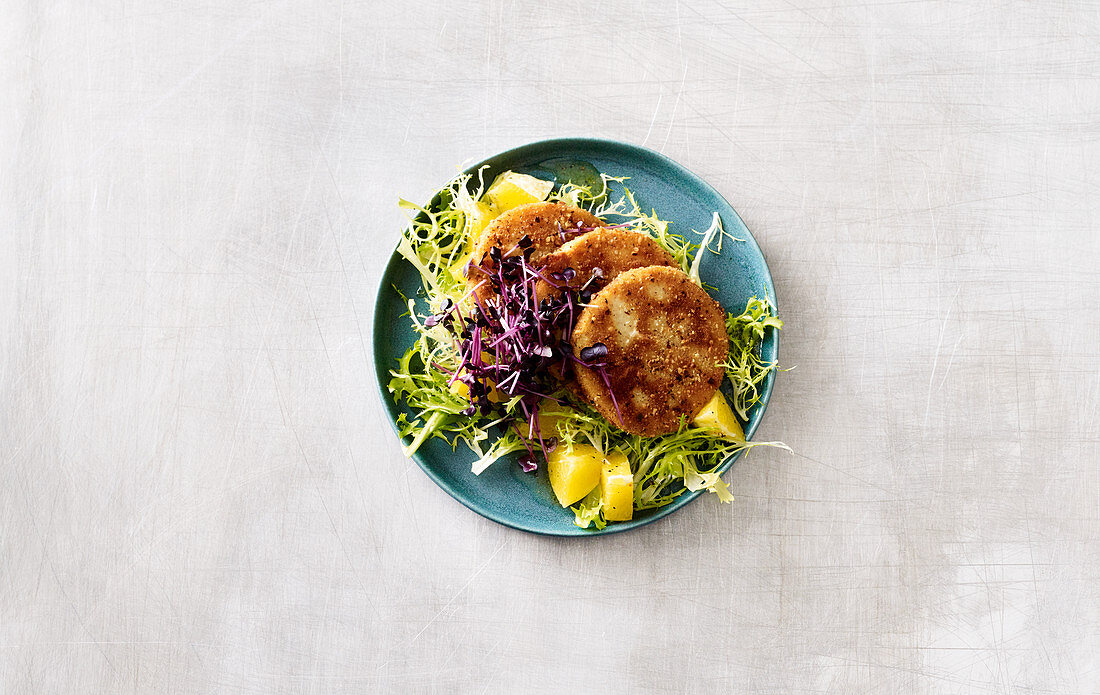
{"points": [[511, 189], [573, 472], [460, 388], [617, 487], [718, 416], [478, 218], [548, 418], [458, 268]]}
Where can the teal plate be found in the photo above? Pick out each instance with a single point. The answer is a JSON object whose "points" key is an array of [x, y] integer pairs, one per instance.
{"points": [[503, 492]]}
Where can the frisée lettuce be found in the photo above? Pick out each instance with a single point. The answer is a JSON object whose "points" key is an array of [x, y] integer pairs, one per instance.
{"points": [[484, 375]]}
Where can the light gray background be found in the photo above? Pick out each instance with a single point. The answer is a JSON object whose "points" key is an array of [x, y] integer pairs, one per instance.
{"points": [[199, 491]]}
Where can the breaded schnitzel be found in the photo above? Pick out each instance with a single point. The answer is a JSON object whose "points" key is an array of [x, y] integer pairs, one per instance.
{"points": [[548, 225], [666, 341], [600, 256]]}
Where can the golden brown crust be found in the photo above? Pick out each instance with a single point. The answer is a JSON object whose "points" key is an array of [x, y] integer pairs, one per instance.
{"points": [[542, 222], [613, 251], [666, 341]]}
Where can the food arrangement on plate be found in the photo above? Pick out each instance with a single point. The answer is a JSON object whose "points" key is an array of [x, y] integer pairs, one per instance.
{"points": [[563, 327]]}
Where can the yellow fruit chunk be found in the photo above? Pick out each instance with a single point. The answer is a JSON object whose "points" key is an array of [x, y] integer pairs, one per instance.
{"points": [[617, 488], [548, 424], [549, 416], [458, 268], [478, 218], [573, 473], [511, 190], [461, 388], [718, 415]]}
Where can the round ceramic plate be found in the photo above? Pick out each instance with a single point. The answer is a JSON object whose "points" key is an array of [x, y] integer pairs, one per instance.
{"points": [[503, 492]]}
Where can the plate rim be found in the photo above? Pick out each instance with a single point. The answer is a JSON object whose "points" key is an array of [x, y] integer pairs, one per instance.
{"points": [[573, 531]]}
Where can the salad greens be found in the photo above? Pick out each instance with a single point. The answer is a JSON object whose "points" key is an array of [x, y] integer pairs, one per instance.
{"points": [[459, 385]]}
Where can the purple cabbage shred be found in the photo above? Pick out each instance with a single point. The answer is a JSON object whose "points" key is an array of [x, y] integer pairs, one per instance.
{"points": [[512, 344]]}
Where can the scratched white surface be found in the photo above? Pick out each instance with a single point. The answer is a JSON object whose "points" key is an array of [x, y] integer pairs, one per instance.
{"points": [[199, 491]]}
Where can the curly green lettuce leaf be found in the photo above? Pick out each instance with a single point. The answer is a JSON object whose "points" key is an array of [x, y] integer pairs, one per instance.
{"points": [[589, 511], [435, 243], [436, 236], [745, 369]]}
